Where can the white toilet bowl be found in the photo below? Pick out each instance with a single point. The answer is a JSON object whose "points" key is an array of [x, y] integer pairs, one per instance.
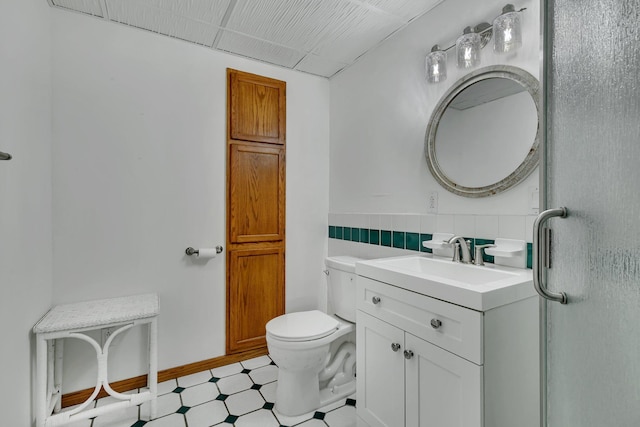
{"points": [[309, 376]]}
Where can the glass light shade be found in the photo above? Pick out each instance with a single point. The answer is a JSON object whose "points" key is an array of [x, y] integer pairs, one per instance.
{"points": [[507, 31], [436, 65], [468, 49]]}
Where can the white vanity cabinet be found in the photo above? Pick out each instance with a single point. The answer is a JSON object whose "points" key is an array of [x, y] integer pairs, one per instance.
{"points": [[427, 362]]}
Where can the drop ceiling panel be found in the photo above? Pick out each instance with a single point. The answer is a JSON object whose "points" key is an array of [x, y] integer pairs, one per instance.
{"points": [[314, 36], [321, 66], [91, 7], [259, 49], [405, 9], [294, 23], [207, 11], [161, 21], [360, 33]]}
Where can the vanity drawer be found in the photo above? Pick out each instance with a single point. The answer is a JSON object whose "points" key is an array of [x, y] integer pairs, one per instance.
{"points": [[449, 326]]}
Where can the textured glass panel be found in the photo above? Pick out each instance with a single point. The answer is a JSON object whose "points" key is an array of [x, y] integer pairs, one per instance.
{"points": [[593, 166]]}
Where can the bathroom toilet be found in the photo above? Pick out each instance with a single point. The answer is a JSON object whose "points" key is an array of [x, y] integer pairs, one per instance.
{"points": [[315, 351]]}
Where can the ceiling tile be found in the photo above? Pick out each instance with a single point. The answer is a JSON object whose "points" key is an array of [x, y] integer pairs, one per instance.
{"points": [[404, 9], [91, 7], [199, 10], [294, 23], [362, 31], [321, 66], [259, 49], [161, 21]]}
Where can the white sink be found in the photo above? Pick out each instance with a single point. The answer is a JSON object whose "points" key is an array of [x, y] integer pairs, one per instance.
{"points": [[477, 287]]}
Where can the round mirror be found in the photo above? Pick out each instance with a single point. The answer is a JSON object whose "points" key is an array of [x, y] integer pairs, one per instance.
{"points": [[482, 137]]}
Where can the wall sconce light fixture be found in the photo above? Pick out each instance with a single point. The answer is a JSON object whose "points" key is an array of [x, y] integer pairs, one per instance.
{"points": [[507, 34], [436, 65], [468, 49], [507, 30]]}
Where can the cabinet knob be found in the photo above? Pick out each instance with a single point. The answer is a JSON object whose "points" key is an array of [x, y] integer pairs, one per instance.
{"points": [[435, 323], [375, 300], [395, 346], [408, 354]]}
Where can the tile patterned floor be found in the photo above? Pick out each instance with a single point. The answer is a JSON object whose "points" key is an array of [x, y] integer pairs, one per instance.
{"points": [[241, 394]]}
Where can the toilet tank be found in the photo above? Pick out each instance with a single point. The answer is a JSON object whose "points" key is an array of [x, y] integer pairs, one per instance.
{"points": [[341, 286]]}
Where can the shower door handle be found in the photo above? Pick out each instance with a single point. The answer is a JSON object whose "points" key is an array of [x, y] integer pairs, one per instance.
{"points": [[539, 251]]}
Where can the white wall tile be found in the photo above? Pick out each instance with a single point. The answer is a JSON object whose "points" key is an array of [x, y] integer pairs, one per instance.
{"points": [[399, 222], [530, 219], [427, 224], [464, 225], [412, 223], [374, 222], [444, 224], [512, 227], [487, 227], [386, 222]]}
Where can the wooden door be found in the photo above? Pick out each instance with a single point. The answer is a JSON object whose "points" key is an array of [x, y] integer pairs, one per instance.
{"points": [[255, 207], [257, 108]]}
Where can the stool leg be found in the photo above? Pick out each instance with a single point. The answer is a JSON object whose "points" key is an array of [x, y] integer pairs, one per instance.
{"points": [[41, 380], [152, 378], [58, 373]]}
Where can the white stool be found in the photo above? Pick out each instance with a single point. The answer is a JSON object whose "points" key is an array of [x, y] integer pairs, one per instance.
{"points": [[69, 321]]}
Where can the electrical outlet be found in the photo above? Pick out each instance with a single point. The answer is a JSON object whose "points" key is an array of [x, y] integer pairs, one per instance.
{"points": [[105, 334], [432, 202], [534, 200]]}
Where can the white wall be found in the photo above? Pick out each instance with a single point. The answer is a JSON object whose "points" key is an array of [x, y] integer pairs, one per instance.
{"points": [[139, 175], [380, 108], [25, 196]]}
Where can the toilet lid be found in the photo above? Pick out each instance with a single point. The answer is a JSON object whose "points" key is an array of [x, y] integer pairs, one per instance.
{"points": [[302, 326]]}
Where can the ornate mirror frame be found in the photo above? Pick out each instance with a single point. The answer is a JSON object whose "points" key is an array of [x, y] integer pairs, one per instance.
{"points": [[531, 84]]}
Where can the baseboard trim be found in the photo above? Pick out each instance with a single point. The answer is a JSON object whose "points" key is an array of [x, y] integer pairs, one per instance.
{"points": [[121, 386]]}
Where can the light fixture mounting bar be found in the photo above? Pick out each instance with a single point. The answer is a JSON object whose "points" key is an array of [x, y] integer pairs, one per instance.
{"points": [[481, 32]]}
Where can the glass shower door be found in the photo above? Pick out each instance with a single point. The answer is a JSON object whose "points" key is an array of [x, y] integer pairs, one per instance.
{"points": [[591, 166]]}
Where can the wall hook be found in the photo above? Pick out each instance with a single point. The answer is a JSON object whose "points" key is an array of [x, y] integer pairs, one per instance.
{"points": [[5, 156]]}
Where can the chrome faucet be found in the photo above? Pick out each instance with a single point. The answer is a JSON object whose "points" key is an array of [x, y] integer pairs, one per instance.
{"points": [[464, 248]]}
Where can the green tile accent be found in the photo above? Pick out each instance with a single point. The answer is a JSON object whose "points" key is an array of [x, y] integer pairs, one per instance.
{"points": [[355, 234], [332, 232], [398, 239], [485, 258], [385, 238], [374, 237], [529, 255], [346, 233], [364, 235], [413, 241], [424, 238], [338, 232]]}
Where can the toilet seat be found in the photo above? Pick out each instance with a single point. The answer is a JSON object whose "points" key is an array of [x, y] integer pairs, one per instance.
{"points": [[302, 326]]}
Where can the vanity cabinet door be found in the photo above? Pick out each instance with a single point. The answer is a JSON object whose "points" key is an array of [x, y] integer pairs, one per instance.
{"points": [[381, 379], [442, 389]]}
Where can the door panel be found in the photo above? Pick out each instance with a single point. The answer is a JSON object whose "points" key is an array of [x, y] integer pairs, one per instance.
{"points": [[591, 159], [257, 108], [255, 295], [442, 389], [380, 380], [256, 193]]}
